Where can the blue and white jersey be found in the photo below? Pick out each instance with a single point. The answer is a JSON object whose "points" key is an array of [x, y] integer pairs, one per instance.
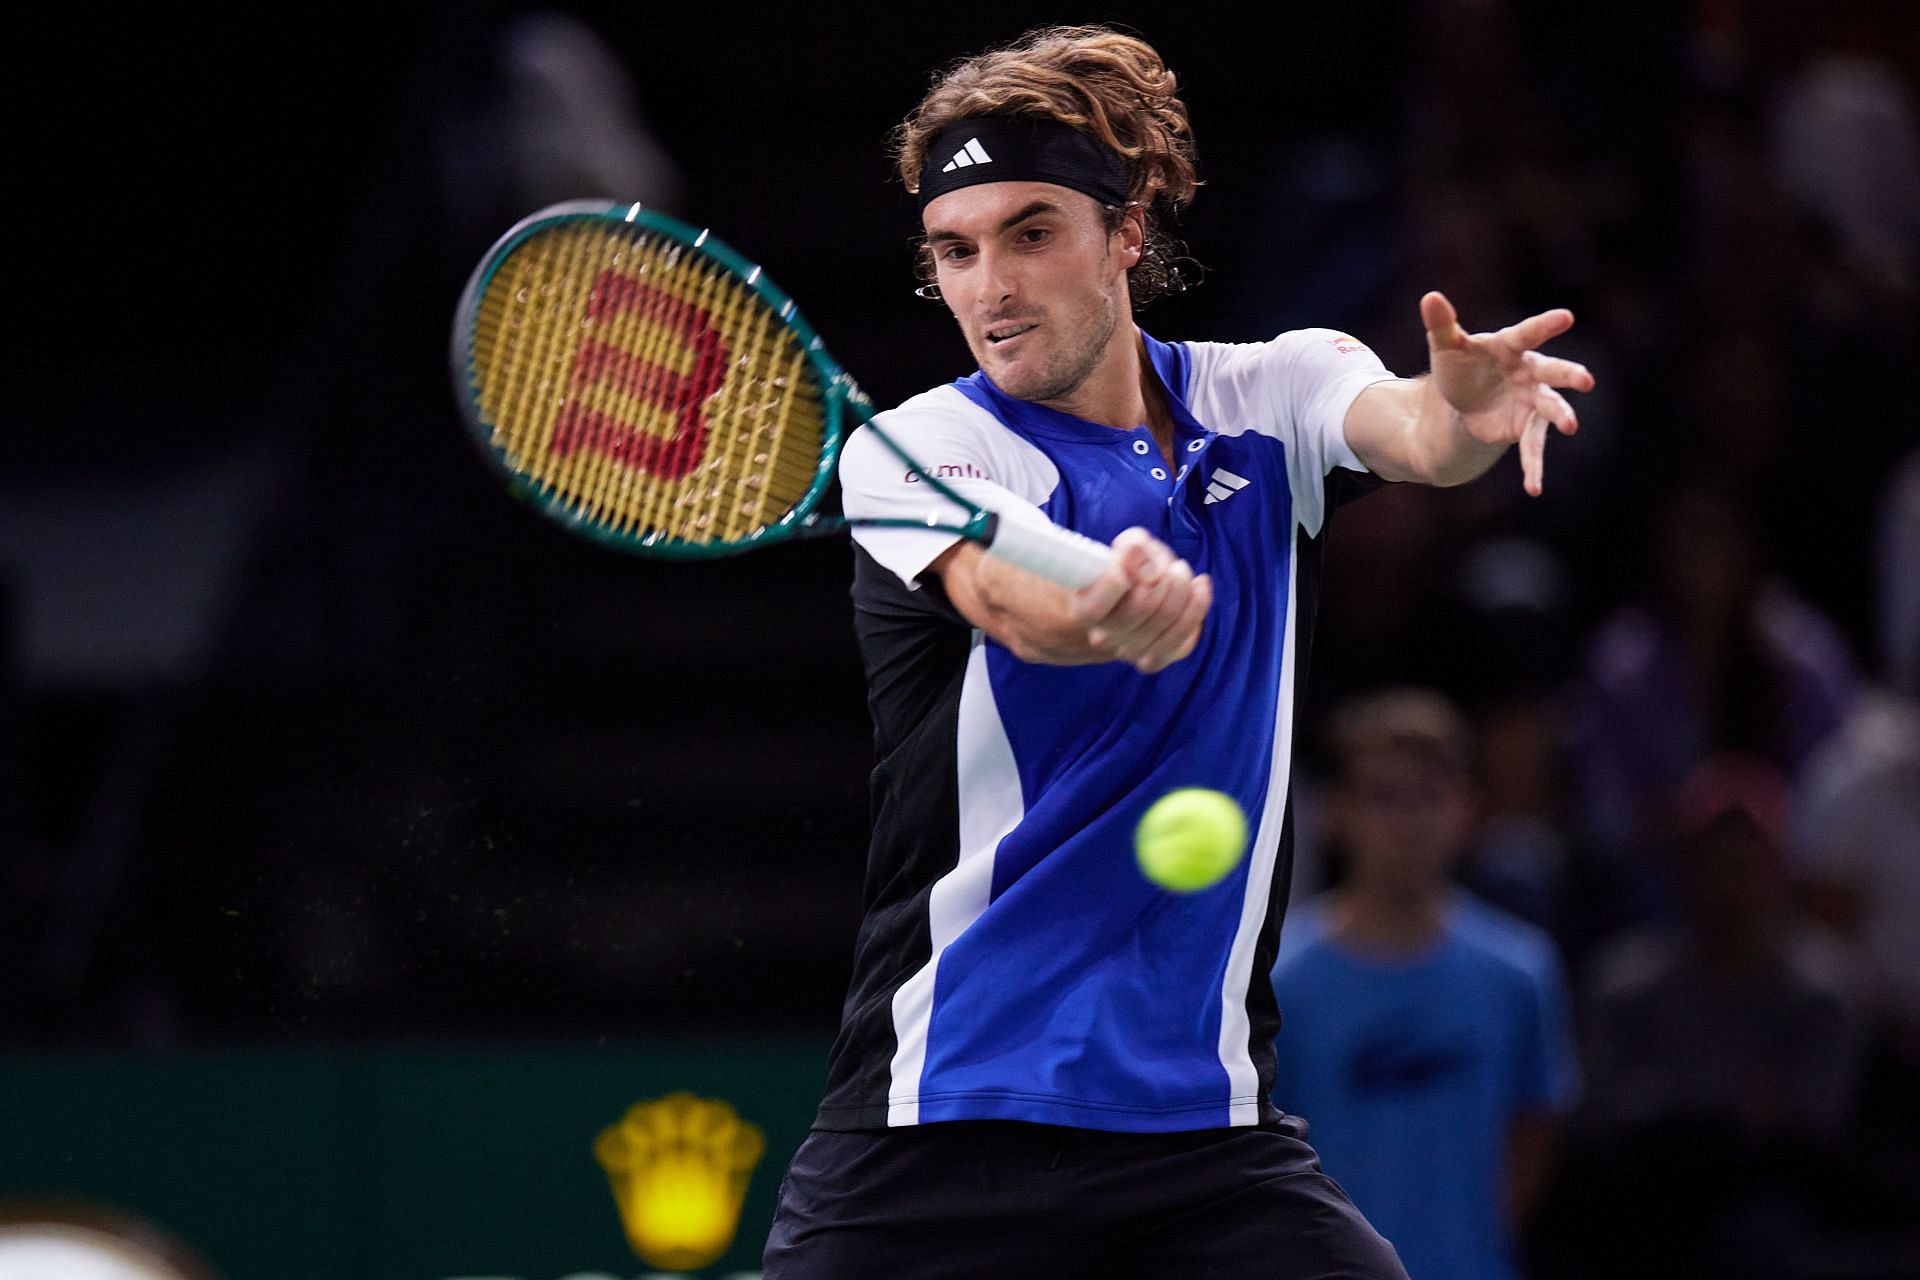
{"points": [[1013, 963]]}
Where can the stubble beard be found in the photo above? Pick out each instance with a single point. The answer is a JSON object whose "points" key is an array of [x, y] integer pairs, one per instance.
{"points": [[1061, 375]]}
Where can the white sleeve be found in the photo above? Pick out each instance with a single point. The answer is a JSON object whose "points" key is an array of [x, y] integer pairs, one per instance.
{"points": [[1296, 388], [966, 448], [1314, 376]]}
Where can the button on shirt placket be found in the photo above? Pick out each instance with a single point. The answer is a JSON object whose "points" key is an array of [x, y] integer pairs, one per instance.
{"points": [[1194, 446], [1144, 448]]}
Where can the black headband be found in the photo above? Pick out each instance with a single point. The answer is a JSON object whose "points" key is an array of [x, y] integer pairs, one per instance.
{"points": [[1022, 149]]}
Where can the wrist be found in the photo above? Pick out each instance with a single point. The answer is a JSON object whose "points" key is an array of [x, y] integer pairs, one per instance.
{"points": [[1453, 446]]}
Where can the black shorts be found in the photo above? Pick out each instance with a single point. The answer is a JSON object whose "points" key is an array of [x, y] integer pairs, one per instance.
{"points": [[1003, 1200]]}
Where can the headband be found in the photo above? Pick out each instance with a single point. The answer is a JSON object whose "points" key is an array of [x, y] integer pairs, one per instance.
{"points": [[1022, 149]]}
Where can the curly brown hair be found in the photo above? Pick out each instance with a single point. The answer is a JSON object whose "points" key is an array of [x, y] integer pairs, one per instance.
{"points": [[1093, 78]]}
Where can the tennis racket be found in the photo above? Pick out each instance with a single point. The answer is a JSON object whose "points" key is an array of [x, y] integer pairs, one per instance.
{"points": [[645, 386]]}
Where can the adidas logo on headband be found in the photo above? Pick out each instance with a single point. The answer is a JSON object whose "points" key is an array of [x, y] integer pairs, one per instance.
{"points": [[1022, 149], [972, 153]]}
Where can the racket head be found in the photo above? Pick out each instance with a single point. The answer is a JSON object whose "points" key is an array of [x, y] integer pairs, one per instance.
{"points": [[644, 385]]}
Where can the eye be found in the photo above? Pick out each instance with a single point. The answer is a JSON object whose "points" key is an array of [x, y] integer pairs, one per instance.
{"points": [[1033, 235], [955, 253]]}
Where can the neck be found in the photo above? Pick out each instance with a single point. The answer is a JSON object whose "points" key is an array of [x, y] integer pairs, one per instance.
{"points": [[1391, 922], [1121, 391]]}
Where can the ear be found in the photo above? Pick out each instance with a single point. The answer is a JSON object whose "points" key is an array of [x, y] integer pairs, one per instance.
{"points": [[1133, 235]]}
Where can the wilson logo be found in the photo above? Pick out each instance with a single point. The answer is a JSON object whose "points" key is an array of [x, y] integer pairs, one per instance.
{"points": [[682, 395]]}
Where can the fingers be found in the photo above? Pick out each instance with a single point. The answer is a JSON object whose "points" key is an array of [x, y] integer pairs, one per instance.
{"points": [[1112, 606], [1559, 373], [1499, 379], [1536, 330], [1553, 406], [1549, 406], [1148, 608], [1142, 613], [1444, 331], [1443, 325], [1533, 455], [1181, 638], [1095, 601], [1158, 615]]}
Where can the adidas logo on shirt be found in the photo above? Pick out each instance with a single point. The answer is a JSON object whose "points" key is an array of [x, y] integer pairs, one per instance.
{"points": [[1224, 484], [972, 153]]}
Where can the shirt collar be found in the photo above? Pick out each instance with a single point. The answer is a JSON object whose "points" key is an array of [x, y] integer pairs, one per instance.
{"points": [[1169, 362]]}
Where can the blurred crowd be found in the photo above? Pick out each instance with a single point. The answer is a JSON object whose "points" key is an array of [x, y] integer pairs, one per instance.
{"points": [[356, 749], [1689, 673]]}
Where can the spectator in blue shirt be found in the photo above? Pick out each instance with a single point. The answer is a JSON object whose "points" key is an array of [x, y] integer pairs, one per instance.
{"points": [[1425, 1034]]}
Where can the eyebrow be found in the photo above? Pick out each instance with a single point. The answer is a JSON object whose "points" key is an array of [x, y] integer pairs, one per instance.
{"points": [[1038, 206]]}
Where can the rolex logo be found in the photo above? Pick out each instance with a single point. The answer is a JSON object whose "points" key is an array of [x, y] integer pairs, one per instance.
{"points": [[679, 1166]]}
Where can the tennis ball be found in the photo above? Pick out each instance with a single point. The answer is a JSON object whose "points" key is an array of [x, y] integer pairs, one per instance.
{"points": [[1190, 839]]}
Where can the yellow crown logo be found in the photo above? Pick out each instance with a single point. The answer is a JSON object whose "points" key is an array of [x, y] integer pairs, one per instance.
{"points": [[679, 1166]]}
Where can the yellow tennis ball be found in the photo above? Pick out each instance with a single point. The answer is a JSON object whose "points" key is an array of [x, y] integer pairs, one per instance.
{"points": [[1190, 839]]}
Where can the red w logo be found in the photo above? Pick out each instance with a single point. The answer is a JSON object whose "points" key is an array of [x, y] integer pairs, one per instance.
{"points": [[683, 395]]}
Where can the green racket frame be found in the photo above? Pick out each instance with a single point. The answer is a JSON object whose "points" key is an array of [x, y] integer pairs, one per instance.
{"points": [[841, 398]]}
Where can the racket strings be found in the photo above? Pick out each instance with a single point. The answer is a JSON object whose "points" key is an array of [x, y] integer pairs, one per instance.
{"points": [[736, 517], [777, 389], [646, 387], [649, 317]]}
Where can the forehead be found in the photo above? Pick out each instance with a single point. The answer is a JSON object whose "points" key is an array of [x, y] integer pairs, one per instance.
{"points": [[981, 209]]}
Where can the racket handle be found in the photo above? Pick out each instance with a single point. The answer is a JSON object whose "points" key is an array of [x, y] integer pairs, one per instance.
{"points": [[1059, 555]]}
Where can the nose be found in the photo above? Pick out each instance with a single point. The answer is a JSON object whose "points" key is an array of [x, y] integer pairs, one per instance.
{"points": [[999, 273]]}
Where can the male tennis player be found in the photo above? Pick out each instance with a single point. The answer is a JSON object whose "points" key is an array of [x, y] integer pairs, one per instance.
{"points": [[1047, 1066]]}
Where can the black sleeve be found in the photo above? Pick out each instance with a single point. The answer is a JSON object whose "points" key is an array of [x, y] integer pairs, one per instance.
{"points": [[1343, 486], [913, 645]]}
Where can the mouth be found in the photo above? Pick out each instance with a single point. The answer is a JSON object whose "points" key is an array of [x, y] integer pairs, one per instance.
{"points": [[1007, 332]]}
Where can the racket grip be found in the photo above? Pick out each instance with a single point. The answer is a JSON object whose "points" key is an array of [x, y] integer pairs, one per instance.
{"points": [[1059, 555]]}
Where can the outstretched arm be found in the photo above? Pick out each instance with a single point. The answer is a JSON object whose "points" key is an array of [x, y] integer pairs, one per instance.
{"points": [[1483, 392]]}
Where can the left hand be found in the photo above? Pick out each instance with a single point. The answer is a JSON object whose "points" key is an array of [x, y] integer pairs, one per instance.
{"points": [[1502, 388]]}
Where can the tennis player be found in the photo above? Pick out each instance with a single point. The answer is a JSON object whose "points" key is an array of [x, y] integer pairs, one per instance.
{"points": [[1047, 1066]]}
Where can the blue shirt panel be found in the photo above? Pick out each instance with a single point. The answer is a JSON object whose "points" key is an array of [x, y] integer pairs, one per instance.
{"points": [[1084, 994]]}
